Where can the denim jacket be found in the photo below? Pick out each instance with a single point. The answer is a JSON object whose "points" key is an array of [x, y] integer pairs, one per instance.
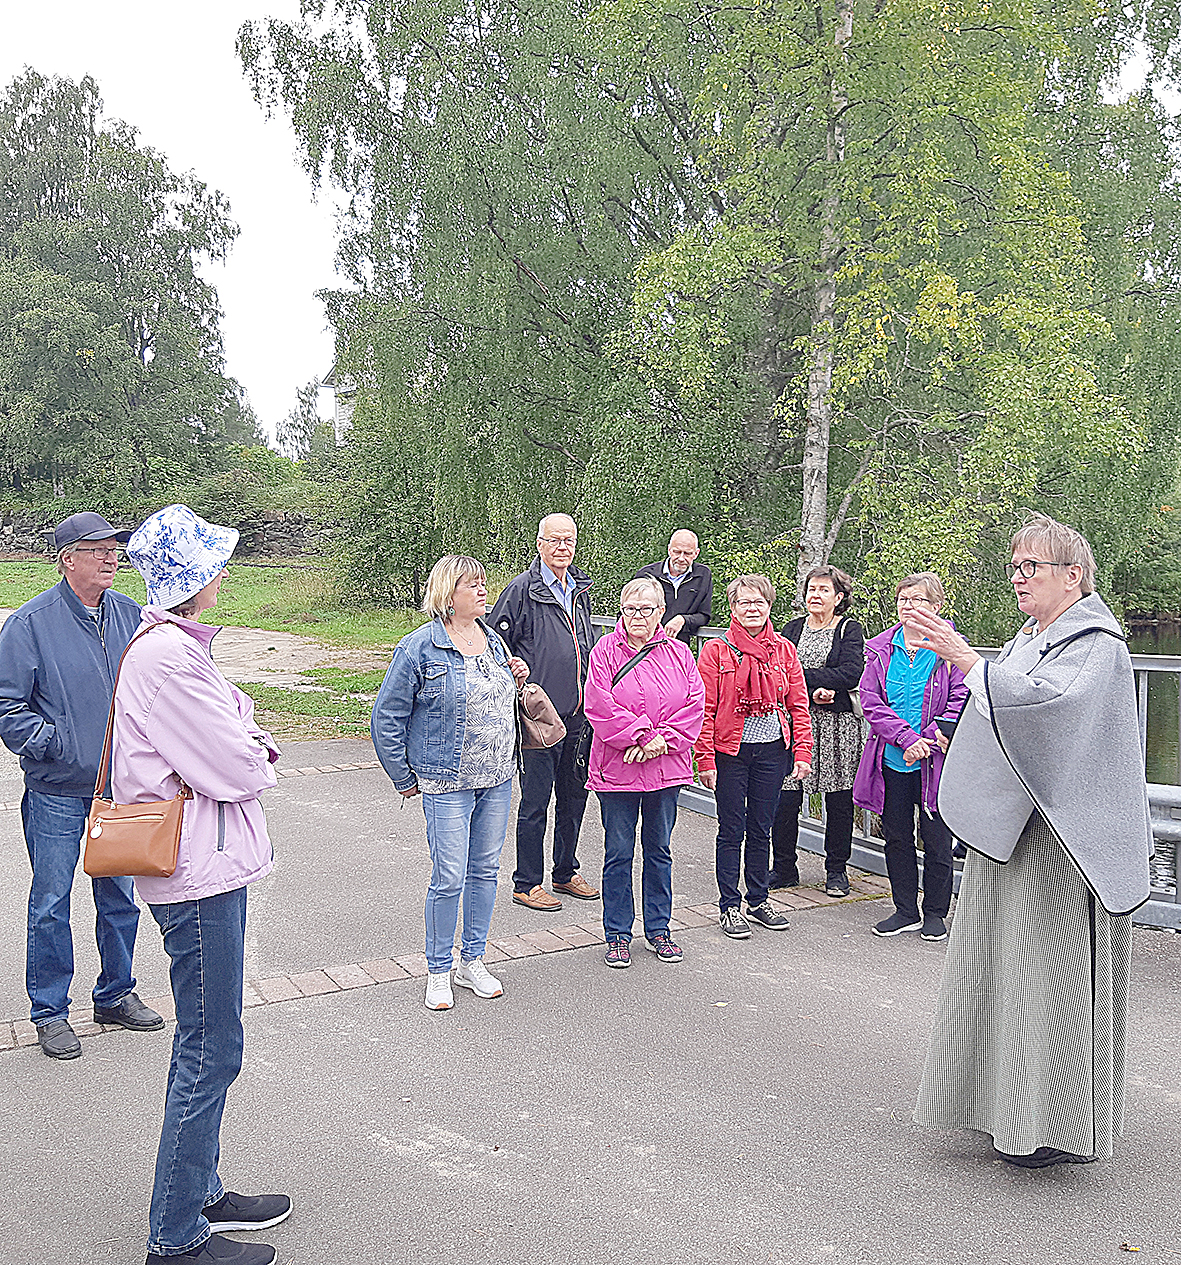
{"points": [[420, 714]]}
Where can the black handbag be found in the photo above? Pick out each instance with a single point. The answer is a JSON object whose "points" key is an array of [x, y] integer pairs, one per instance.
{"points": [[582, 745]]}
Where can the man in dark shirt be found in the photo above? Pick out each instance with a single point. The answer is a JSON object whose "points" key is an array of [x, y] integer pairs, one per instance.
{"points": [[688, 586], [544, 616]]}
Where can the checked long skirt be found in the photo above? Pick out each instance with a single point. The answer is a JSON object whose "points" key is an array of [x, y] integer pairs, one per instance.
{"points": [[1030, 1030]]}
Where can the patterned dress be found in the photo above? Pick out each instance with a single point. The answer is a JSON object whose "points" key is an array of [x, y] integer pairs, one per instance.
{"points": [[836, 736], [489, 739]]}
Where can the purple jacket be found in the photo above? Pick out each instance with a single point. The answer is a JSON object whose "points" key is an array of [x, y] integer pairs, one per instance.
{"points": [[662, 695], [945, 695], [176, 714]]}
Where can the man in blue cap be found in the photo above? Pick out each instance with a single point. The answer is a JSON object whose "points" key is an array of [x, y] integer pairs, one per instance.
{"points": [[58, 657]]}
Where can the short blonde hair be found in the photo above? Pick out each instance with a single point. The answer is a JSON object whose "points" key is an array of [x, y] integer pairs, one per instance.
{"points": [[639, 584], [929, 582], [444, 576], [1065, 546], [759, 583]]}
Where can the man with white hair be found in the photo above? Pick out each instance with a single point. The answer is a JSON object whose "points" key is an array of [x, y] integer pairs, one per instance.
{"points": [[58, 657], [688, 586], [544, 616]]}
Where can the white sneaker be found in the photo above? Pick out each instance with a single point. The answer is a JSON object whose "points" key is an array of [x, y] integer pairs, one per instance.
{"points": [[438, 991], [475, 975]]}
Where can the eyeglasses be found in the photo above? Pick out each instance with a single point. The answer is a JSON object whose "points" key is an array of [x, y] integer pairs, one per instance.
{"points": [[559, 541], [109, 552], [751, 601], [644, 612], [914, 601], [1028, 567]]}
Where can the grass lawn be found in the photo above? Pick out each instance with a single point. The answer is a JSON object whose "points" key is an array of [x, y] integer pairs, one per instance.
{"points": [[298, 596]]}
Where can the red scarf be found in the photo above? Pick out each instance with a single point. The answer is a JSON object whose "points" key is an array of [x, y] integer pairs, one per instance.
{"points": [[755, 682]]}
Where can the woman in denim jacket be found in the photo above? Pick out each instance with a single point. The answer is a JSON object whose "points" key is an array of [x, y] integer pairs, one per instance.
{"points": [[445, 725]]}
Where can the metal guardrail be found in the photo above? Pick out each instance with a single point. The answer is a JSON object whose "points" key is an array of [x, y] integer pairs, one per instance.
{"points": [[1163, 908]]}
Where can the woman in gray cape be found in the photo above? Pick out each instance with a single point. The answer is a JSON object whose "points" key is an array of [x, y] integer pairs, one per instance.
{"points": [[1044, 781]]}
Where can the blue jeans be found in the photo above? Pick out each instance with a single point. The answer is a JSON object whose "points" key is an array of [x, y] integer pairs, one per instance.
{"points": [[53, 835], [621, 810], [205, 941], [465, 831], [747, 796]]}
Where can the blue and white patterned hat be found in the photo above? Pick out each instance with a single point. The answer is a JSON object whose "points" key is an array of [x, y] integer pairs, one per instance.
{"points": [[178, 554]]}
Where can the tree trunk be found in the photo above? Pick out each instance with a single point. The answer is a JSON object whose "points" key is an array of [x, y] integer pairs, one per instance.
{"points": [[814, 545]]}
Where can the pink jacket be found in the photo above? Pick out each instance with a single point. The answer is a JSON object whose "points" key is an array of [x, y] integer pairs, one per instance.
{"points": [[176, 714], [662, 695]]}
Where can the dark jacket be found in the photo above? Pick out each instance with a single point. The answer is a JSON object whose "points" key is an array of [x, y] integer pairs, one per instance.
{"points": [[693, 599], [57, 668], [536, 628], [842, 669]]}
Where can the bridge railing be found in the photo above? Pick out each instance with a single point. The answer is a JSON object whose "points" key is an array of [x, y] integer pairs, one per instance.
{"points": [[1162, 910]]}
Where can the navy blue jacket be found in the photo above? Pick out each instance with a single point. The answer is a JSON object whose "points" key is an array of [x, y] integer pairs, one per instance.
{"points": [[536, 627], [420, 714], [57, 668]]}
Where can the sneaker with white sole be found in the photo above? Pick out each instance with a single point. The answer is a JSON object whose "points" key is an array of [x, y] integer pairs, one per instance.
{"points": [[766, 915], [896, 924], [734, 924], [438, 991], [476, 976]]}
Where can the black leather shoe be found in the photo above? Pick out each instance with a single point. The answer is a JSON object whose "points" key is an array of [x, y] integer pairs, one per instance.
{"points": [[1044, 1157], [216, 1250], [58, 1040], [131, 1013]]}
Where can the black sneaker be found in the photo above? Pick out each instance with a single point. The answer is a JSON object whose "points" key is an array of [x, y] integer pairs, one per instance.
{"points": [[777, 879], [766, 916], [734, 924], [933, 928], [216, 1250], [897, 923], [247, 1212], [836, 885]]}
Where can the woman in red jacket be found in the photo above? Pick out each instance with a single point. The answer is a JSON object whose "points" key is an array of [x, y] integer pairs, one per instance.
{"points": [[756, 730]]}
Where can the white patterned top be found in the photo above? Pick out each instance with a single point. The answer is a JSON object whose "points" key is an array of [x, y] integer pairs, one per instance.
{"points": [[765, 728], [489, 741]]}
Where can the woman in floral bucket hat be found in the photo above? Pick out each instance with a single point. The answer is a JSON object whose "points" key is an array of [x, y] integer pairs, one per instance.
{"points": [[177, 718]]}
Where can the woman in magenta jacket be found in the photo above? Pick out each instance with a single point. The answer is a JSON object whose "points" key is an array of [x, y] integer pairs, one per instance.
{"points": [[645, 701], [904, 688]]}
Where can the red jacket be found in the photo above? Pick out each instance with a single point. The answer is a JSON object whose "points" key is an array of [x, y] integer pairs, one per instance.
{"points": [[722, 730]]}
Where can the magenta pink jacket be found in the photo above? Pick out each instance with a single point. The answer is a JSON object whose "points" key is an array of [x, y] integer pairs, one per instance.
{"points": [[662, 695], [176, 714]]}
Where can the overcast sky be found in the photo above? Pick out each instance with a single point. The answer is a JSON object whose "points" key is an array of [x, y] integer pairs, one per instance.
{"points": [[171, 72]]}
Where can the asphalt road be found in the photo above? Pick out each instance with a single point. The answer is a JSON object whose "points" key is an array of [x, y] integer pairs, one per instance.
{"points": [[752, 1104]]}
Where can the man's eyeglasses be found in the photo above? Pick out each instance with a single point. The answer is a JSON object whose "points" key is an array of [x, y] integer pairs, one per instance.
{"points": [[559, 541], [644, 612], [1028, 567], [102, 554]]}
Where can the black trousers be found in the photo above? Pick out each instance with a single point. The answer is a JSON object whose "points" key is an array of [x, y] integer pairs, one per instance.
{"points": [[903, 796], [546, 773], [838, 832], [746, 794]]}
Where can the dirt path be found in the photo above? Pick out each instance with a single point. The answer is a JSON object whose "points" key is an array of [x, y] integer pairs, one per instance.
{"points": [[277, 658]]}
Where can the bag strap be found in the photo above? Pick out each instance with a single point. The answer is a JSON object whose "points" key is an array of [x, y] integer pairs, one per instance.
{"points": [[631, 663], [104, 764], [737, 652]]}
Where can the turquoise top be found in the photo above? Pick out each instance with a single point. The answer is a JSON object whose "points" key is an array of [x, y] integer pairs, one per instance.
{"points": [[906, 683]]}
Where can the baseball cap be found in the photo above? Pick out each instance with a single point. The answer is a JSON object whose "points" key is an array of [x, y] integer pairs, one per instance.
{"points": [[85, 526]]}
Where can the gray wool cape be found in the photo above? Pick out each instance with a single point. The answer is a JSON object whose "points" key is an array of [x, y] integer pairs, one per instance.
{"points": [[1062, 739]]}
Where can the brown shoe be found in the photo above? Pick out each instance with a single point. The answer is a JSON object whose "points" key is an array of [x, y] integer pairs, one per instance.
{"points": [[579, 888], [537, 898]]}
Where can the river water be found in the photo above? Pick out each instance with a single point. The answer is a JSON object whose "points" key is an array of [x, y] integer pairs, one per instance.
{"points": [[1162, 762]]}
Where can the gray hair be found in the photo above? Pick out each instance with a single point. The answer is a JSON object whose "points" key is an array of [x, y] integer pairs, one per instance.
{"points": [[929, 582], [66, 551], [444, 576], [555, 514], [1066, 547], [640, 584], [760, 584]]}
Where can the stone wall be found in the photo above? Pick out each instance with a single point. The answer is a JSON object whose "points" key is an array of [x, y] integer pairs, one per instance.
{"points": [[271, 534]]}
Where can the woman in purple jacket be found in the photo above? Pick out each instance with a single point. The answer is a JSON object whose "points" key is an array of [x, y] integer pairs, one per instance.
{"points": [[645, 700], [904, 688], [178, 719]]}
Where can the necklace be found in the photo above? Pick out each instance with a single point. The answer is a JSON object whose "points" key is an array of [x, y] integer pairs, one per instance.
{"points": [[468, 641]]}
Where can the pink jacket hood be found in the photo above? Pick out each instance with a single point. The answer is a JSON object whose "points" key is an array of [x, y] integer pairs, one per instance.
{"points": [[176, 714], [662, 695]]}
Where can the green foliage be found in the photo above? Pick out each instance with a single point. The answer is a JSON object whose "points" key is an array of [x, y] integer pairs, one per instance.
{"points": [[112, 374]]}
